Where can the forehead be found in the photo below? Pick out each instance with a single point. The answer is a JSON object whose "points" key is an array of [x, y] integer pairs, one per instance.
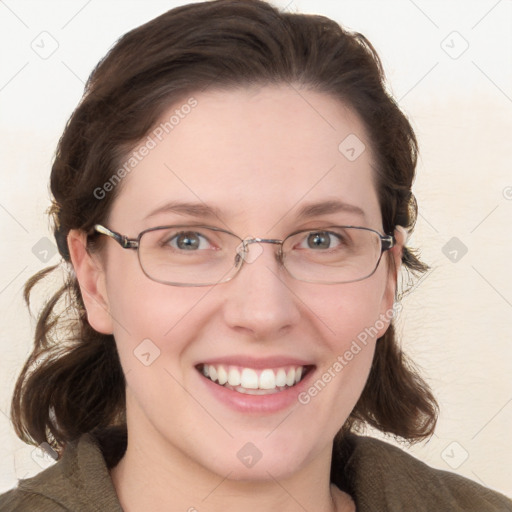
{"points": [[256, 156]]}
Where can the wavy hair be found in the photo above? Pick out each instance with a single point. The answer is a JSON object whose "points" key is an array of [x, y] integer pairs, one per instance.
{"points": [[72, 382]]}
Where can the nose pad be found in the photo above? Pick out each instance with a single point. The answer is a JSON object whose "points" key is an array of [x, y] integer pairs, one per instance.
{"points": [[246, 253]]}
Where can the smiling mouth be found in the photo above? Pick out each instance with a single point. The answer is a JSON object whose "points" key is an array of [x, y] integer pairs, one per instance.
{"points": [[253, 381]]}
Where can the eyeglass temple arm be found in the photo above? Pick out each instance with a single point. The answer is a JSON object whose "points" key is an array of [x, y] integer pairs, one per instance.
{"points": [[390, 241], [122, 240]]}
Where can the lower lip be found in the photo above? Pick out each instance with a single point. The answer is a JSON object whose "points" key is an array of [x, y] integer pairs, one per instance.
{"points": [[260, 404]]}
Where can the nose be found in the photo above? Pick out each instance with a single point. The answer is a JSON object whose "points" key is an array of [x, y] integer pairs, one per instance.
{"points": [[259, 300]]}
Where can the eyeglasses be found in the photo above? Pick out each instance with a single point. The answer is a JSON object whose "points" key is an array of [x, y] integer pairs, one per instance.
{"points": [[205, 255]]}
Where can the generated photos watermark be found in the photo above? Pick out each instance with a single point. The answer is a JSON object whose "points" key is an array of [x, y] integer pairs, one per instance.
{"points": [[145, 148], [344, 359]]}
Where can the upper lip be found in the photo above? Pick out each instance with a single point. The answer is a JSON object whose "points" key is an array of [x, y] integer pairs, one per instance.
{"points": [[257, 362]]}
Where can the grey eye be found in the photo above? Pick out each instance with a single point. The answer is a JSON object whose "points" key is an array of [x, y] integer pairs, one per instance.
{"points": [[188, 241], [320, 240]]}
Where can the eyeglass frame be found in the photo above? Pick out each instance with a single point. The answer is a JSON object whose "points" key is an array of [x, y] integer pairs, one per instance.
{"points": [[387, 242]]}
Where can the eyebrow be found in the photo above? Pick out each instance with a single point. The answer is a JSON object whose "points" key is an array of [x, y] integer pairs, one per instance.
{"points": [[332, 206], [192, 209], [207, 211]]}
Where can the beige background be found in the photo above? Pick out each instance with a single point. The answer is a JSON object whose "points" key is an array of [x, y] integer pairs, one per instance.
{"points": [[455, 323]]}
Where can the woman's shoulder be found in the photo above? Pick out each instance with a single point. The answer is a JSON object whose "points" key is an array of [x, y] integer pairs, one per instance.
{"points": [[17, 500], [381, 476], [38, 492], [80, 480]]}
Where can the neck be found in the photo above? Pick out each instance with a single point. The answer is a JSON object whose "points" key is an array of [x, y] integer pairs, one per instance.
{"points": [[155, 475]]}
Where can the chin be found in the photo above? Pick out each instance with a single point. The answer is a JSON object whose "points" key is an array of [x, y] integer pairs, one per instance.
{"points": [[261, 457], [262, 471]]}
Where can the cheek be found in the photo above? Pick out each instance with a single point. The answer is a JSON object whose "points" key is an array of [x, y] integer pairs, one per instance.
{"points": [[155, 324], [349, 324], [351, 320], [350, 312], [152, 318]]}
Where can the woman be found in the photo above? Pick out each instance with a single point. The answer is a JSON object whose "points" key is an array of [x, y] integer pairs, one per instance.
{"points": [[232, 197]]}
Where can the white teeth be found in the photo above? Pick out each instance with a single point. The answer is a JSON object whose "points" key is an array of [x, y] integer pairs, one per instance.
{"points": [[233, 377], [267, 380], [281, 377], [249, 380], [290, 377], [240, 389], [222, 375]]}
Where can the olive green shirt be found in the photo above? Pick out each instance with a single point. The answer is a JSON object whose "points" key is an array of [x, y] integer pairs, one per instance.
{"points": [[378, 476]]}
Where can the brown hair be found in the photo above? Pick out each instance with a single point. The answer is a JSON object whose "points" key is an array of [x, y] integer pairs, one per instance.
{"points": [[73, 382]]}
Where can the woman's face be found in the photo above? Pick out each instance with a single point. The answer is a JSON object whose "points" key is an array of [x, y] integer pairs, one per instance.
{"points": [[258, 156]]}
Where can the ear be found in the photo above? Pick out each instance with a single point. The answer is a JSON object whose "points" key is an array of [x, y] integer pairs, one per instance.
{"points": [[91, 278]]}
